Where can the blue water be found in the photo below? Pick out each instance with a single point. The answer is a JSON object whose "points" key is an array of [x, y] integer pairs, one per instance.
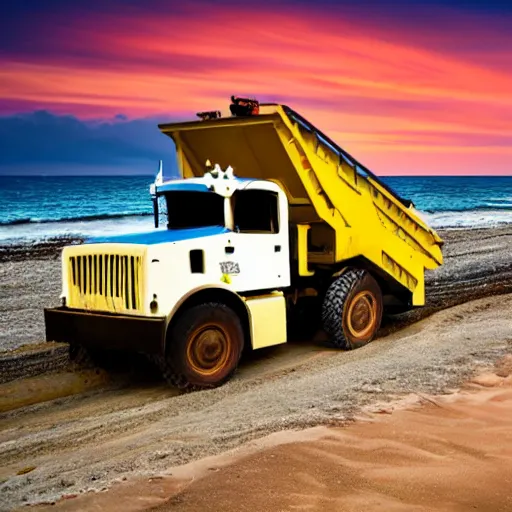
{"points": [[33, 208]]}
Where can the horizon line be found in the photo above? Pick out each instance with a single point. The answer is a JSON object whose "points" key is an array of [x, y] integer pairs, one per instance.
{"points": [[179, 177]]}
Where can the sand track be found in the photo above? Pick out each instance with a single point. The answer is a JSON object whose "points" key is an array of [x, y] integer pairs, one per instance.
{"points": [[440, 456], [90, 440]]}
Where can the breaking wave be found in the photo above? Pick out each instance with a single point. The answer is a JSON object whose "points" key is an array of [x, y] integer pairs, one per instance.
{"points": [[83, 218], [475, 218]]}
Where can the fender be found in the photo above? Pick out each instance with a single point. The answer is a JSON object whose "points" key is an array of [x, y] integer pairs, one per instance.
{"points": [[209, 293]]}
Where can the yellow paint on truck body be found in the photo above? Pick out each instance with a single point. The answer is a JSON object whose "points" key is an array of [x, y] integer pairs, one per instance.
{"points": [[105, 277], [302, 250], [350, 215], [267, 315]]}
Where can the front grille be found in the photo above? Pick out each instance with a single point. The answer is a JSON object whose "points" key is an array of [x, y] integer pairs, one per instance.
{"points": [[105, 281]]}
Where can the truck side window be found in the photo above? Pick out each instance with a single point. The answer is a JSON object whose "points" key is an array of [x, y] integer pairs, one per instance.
{"points": [[256, 211]]}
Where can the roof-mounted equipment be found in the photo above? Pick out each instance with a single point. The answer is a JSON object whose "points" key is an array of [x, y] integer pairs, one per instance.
{"points": [[244, 107], [206, 116]]}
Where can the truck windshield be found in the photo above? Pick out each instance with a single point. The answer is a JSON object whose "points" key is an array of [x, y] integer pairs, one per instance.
{"points": [[190, 209]]}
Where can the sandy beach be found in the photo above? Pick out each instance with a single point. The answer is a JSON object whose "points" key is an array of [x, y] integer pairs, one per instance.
{"points": [[446, 453], [100, 428]]}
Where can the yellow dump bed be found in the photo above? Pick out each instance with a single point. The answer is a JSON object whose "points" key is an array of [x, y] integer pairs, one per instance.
{"points": [[350, 212]]}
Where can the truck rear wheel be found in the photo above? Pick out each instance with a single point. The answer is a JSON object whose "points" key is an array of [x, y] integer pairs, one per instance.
{"points": [[205, 347], [352, 309]]}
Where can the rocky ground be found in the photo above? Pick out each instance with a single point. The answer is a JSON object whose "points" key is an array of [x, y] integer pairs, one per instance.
{"points": [[99, 428]]}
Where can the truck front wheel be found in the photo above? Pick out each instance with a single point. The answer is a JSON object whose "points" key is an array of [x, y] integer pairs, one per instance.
{"points": [[205, 347], [352, 309]]}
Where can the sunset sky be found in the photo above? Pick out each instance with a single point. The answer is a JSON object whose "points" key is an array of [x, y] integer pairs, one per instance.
{"points": [[408, 87]]}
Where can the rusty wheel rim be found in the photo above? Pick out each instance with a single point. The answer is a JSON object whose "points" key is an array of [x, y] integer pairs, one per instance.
{"points": [[208, 350], [362, 314]]}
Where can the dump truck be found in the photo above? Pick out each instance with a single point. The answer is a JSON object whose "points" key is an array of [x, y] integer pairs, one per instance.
{"points": [[268, 212]]}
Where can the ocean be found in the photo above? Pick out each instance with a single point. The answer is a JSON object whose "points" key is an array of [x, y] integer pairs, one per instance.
{"points": [[38, 208]]}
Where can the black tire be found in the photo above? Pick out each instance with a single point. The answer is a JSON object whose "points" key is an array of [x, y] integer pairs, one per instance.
{"points": [[205, 346], [352, 309]]}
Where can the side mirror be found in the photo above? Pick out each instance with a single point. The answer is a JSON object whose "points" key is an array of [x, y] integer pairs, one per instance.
{"points": [[156, 213]]}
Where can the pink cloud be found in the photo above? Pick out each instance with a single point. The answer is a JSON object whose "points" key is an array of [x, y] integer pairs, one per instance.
{"points": [[385, 93]]}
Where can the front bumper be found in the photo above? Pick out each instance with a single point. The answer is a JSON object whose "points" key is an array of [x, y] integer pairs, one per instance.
{"points": [[106, 331]]}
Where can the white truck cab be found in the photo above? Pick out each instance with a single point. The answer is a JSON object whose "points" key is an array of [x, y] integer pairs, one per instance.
{"points": [[224, 233]]}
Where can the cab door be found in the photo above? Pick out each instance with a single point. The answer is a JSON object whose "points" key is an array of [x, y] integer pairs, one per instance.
{"points": [[259, 245]]}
